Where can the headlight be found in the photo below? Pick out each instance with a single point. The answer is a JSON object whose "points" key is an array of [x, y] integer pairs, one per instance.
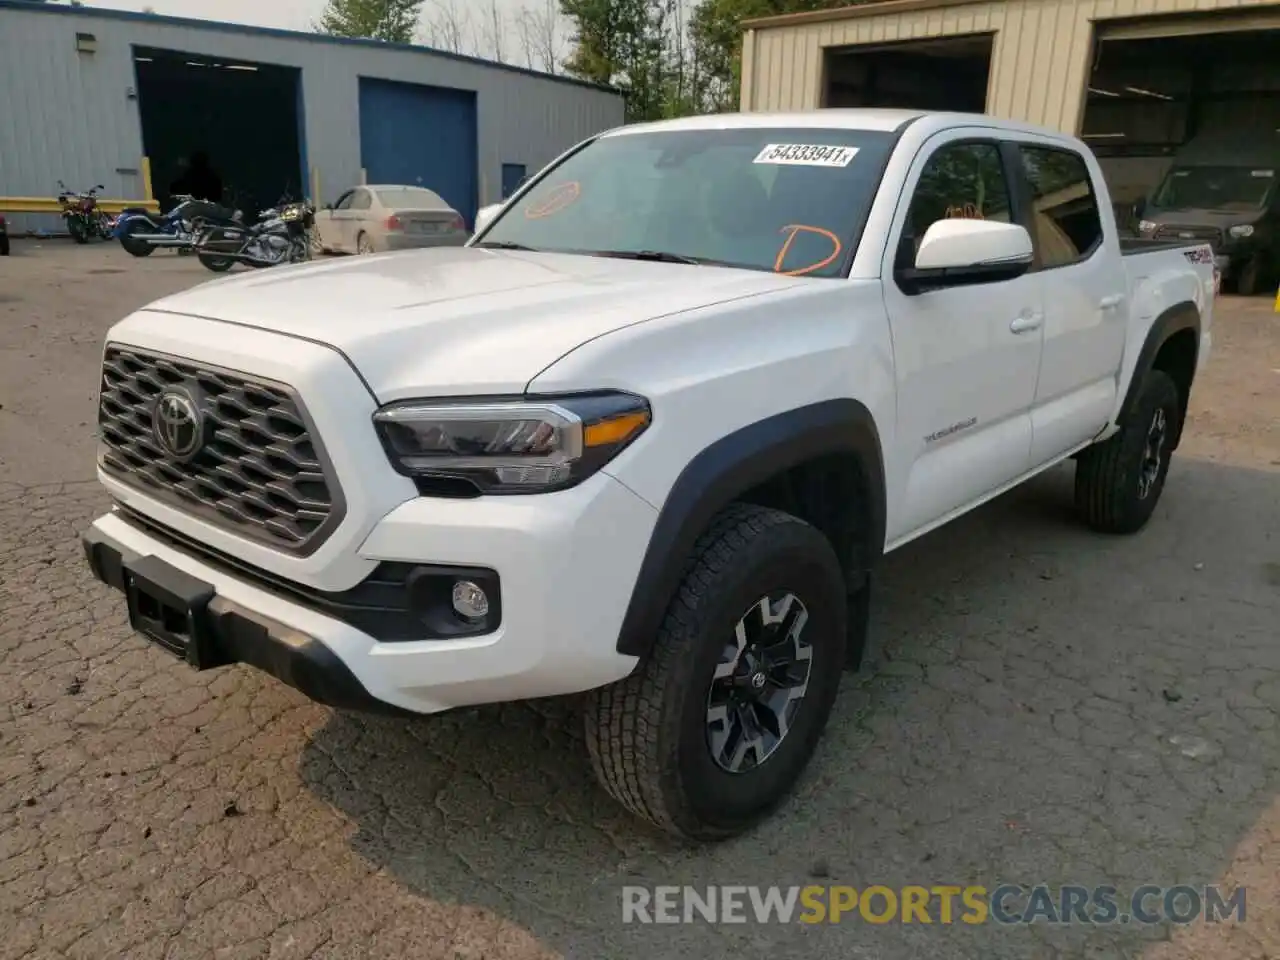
{"points": [[532, 445], [1146, 226], [1241, 230]]}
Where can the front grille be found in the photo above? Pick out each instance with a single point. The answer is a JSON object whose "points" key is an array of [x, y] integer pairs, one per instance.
{"points": [[1169, 231], [253, 464]]}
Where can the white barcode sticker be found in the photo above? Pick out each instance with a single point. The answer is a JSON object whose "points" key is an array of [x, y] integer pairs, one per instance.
{"points": [[1264, 174], [806, 155]]}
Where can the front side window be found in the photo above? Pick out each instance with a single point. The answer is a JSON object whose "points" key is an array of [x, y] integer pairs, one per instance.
{"points": [[789, 201], [344, 202], [959, 181], [1064, 208]]}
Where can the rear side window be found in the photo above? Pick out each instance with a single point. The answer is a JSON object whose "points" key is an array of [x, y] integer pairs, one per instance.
{"points": [[1064, 208], [361, 201]]}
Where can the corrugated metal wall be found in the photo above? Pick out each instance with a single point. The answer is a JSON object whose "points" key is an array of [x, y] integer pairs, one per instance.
{"points": [[1040, 60], [68, 115]]}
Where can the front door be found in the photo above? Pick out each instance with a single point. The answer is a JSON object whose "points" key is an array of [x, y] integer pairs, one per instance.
{"points": [[966, 357]]}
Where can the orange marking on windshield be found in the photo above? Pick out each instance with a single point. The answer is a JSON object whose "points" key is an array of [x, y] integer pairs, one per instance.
{"points": [[556, 200], [796, 229]]}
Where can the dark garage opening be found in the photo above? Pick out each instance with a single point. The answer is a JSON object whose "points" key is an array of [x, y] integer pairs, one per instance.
{"points": [[946, 74], [1149, 98], [244, 116]]}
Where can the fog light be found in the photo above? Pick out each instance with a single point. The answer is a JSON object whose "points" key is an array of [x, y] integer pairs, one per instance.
{"points": [[469, 600]]}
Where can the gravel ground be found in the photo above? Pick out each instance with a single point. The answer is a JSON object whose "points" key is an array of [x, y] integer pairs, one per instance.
{"points": [[1047, 705]]}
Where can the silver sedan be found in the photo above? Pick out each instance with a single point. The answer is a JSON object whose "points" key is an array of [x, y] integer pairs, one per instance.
{"points": [[375, 217]]}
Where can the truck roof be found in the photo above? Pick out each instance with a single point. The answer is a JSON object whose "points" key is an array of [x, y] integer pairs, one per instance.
{"points": [[849, 118]]}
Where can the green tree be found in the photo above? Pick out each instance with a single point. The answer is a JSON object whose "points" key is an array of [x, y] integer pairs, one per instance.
{"points": [[624, 43], [716, 37], [390, 20]]}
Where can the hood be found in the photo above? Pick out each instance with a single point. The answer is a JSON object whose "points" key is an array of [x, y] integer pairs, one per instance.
{"points": [[462, 320]]}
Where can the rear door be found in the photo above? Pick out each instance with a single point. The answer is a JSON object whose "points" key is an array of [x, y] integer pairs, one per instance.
{"points": [[334, 233], [1085, 289], [358, 218], [966, 357]]}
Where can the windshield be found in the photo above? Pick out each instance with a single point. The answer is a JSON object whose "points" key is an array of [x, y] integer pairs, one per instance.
{"points": [[409, 198], [790, 201], [1215, 188]]}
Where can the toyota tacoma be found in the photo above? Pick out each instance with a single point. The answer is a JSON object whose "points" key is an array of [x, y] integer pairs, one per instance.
{"points": [[646, 437]]}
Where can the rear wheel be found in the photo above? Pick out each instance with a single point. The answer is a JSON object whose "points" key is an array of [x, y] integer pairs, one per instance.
{"points": [[138, 248], [1119, 481], [364, 245], [1250, 280], [718, 722]]}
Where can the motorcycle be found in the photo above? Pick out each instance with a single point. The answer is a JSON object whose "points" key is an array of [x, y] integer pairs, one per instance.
{"points": [[141, 234], [83, 218], [281, 235]]}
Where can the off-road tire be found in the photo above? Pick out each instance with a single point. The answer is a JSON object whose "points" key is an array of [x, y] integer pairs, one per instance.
{"points": [[1107, 491], [647, 734]]}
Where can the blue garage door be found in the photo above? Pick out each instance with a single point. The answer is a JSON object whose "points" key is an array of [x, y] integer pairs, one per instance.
{"points": [[425, 136]]}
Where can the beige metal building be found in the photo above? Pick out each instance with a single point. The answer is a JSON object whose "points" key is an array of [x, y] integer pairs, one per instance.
{"points": [[1137, 78]]}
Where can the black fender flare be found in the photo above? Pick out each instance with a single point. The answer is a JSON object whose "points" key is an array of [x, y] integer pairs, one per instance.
{"points": [[730, 467], [1175, 319]]}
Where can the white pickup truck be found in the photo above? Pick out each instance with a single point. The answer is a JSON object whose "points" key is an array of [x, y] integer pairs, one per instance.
{"points": [[648, 434]]}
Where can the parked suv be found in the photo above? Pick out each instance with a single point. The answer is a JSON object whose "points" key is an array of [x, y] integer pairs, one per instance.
{"points": [[647, 436]]}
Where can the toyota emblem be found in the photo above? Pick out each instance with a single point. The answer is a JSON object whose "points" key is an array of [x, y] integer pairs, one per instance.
{"points": [[178, 425]]}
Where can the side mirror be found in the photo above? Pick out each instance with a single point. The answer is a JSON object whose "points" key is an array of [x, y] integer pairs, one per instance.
{"points": [[486, 216], [963, 252]]}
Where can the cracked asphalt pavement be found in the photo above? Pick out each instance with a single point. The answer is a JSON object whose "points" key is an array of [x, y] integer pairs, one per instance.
{"points": [[1046, 705]]}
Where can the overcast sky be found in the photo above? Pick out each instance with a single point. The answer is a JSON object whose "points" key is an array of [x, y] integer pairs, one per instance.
{"points": [[473, 15]]}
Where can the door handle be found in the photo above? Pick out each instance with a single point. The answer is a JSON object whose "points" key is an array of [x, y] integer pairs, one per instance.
{"points": [[1111, 302], [1027, 322]]}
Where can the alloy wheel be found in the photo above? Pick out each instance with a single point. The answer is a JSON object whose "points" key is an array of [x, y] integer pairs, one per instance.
{"points": [[759, 683], [1153, 453]]}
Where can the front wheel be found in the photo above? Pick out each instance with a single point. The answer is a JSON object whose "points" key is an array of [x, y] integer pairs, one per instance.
{"points": [[1119, 481], [79, 232], [215, 263], [713, 729]]}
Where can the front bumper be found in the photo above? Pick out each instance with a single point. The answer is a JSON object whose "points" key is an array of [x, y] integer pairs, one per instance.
{"points": [[229, 633], [566, 562]]}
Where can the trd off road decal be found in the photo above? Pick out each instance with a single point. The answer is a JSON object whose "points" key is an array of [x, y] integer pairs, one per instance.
{"points": [[806, 155], [1199, 255]]}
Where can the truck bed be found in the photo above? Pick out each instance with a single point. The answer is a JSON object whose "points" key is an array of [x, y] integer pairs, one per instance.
{"points": [[1130, 246]]}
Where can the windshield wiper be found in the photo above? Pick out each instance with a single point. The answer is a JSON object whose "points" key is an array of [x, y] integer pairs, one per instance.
{"points": [[501, 245], [656, 256]]}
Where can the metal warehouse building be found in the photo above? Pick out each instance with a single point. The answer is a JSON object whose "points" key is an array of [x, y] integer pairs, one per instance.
{"points": [[1138, 79], [116, 98]]}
